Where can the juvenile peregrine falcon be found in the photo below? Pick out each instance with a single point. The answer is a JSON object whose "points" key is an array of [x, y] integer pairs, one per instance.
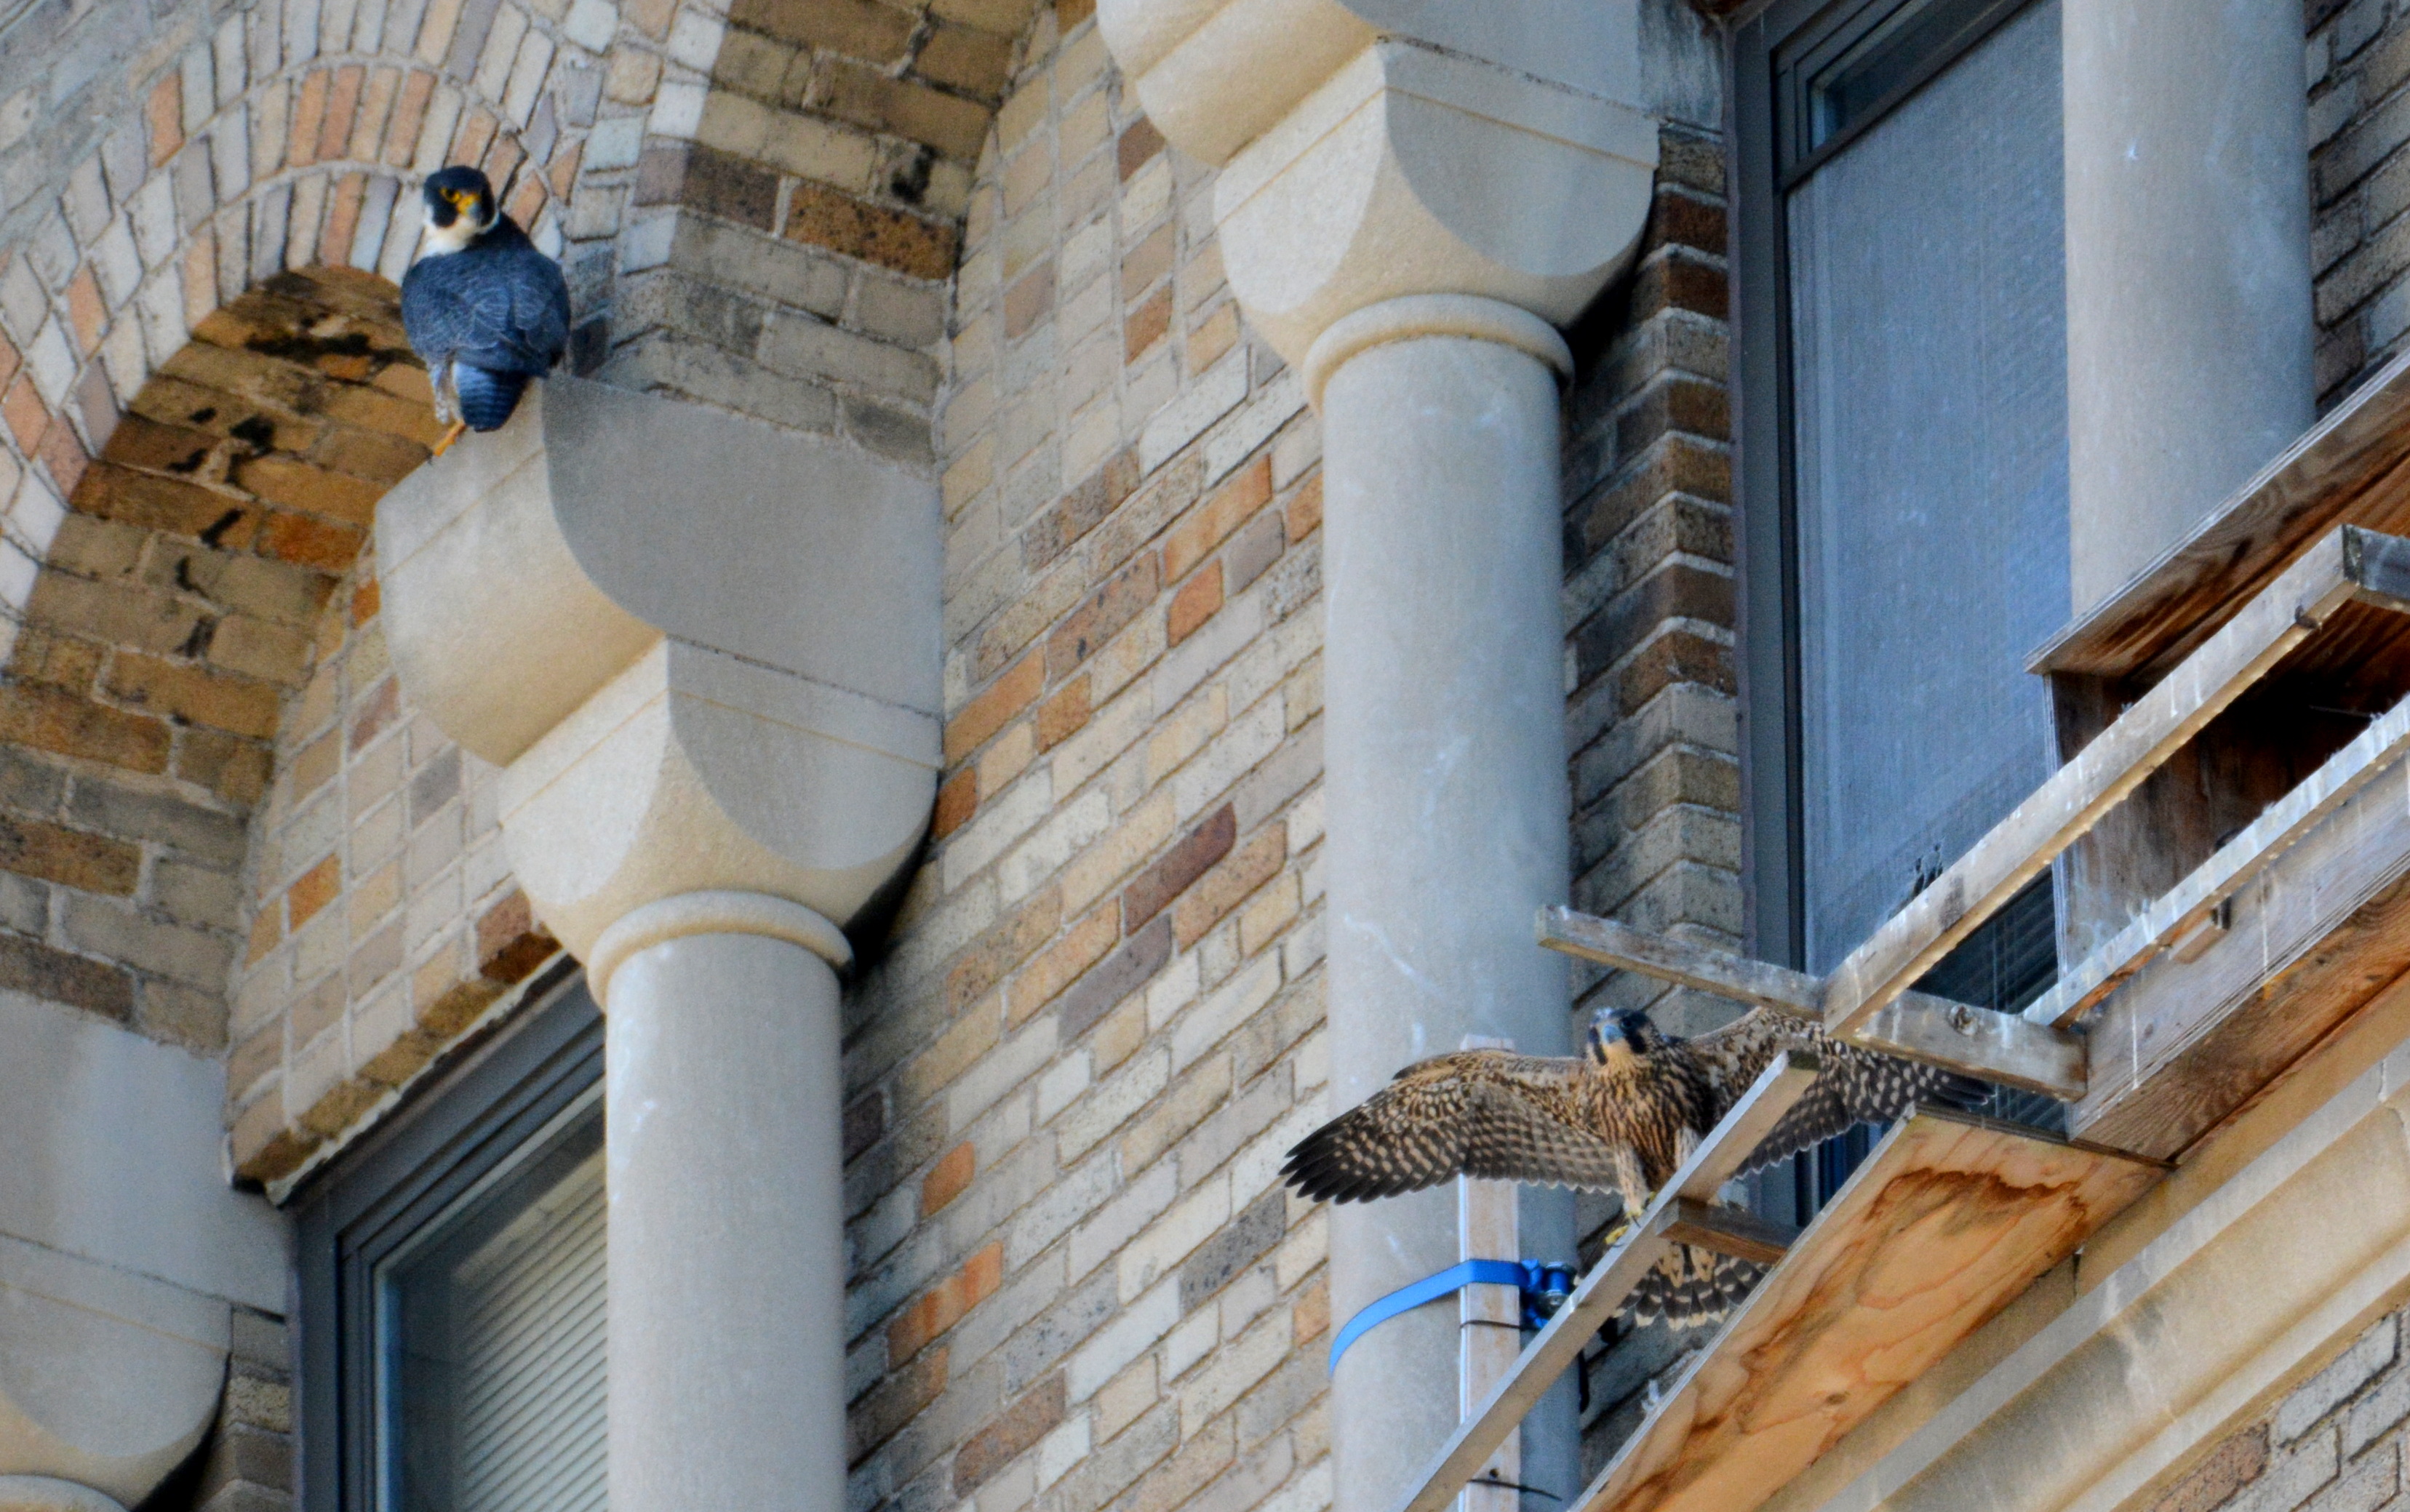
{"points": [[484, 310], [1621, 1117]]}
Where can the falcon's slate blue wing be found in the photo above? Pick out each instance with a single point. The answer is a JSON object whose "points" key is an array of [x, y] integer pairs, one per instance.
{"points": [[498, 304]]}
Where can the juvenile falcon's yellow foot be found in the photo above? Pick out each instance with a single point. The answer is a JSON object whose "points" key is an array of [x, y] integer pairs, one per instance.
{"points": [[450, 436]]}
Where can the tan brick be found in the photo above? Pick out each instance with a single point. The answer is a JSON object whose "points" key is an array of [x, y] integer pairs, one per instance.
{"points": [[1004, 945], [1139, 143], [953, 125], [893, 1403], [957, 800], [857, 28], [980, 718], [1060, 964], [1232, 505], [1210, 339], [943, 1305], [1197, 601], [164, 113], [1271, 911], [183, 691], [1063, 715], [948, 1179], [824, 216], [50, 719], [264, 1149], [314, 890], [1020, 1426], [1302, 515], [963, 58], [1222, 888], [1086, 629], [1146, 325], [70, 857]]}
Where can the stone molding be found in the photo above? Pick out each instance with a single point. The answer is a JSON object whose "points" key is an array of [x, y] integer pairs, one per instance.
{"points": [[1368, 153], [710, 913], [1469, 317], [42, 1493], [106, 1376], [704, 650]]}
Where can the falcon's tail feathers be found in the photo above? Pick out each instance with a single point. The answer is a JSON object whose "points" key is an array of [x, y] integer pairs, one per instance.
{"points": [[486, 397], [1689, 1287]]}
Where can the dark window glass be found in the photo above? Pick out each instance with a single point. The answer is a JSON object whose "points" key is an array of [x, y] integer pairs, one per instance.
{"points": [[451, 1304]]}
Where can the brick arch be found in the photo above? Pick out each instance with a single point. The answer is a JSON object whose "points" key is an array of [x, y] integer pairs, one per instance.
{"points": [[203, 391]]}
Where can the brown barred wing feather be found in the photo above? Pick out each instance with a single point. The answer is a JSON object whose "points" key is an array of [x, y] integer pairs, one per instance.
{"points": [[1856, 1085], [1478, 1113]]}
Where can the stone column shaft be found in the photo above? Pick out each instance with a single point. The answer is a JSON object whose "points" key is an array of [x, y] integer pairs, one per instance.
{"points": [[2188, 300], [1449, 806], [727, 1236]]}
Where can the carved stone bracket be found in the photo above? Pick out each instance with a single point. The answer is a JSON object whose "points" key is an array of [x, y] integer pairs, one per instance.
{"points": [[704, 649]]}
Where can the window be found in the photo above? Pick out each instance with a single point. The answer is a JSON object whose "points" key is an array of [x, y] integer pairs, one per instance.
{"points": [[453, 1304], [1903, 368]]}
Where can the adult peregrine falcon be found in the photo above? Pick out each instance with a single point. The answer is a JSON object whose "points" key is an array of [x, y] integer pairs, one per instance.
{"points": [[484, 310], [1621, 1117]]}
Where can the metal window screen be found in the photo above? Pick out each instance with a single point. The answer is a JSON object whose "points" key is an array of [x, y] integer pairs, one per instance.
{"points": [[1929, 372]]}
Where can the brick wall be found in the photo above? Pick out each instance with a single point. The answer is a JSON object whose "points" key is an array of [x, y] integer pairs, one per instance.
{"points": [[1094, 1027], [2358, 66], [1651, 717]]}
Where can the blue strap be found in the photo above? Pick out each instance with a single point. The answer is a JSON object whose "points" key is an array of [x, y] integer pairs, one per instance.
{"points": [[1543, 1287]]}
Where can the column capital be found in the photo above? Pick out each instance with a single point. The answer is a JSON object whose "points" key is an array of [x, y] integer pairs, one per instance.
{"points": [[1370, 152], [1410, 316], [666, 919], [704, 650]]}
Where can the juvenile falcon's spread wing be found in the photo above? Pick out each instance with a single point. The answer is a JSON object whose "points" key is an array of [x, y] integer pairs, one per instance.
{"points": [[1855, 1085], [1489, 1114]]}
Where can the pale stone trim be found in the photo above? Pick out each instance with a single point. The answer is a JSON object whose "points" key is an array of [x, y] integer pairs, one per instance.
{"points": [[1403, 319], [665, 919]]}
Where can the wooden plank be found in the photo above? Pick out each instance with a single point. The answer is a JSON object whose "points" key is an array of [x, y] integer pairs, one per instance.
{"points": [[1600, 1295], [2380, 565], [2183, 1046], [1944, 1225], [2184, 919], [2349, 466], [1729, 1231], [1996, 1047], [2074, 798]]}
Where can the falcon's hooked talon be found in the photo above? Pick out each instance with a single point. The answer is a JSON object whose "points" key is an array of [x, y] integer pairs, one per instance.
{"points": [[458, 427]]}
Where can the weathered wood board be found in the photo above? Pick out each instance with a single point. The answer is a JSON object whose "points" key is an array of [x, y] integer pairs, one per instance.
{"points": [[1944, 1225], [2353, 466], [1996, 1047], [2184, 1045], [2188, 908]]}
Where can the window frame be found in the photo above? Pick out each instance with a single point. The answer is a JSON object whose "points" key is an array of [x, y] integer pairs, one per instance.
{"points": [[1776, 54], [375, 1199]]}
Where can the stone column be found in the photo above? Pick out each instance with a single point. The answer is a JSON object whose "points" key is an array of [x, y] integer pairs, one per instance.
{"points": [[1411, 199], [1444, 731], [2188, 306], [705, 651], [727, 1275]]}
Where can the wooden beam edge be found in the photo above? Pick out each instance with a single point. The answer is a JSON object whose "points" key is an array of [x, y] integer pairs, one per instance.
{"points": [[1993, 1046], [2186, 905], [1730, 1231], [2366, 425]]}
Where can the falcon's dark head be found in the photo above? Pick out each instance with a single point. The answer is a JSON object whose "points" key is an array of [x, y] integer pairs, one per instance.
{"points": [[459, 207], [1620, 1038]]}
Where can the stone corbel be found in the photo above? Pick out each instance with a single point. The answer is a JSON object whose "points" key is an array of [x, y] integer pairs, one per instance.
{"points": [[1374, 149], [704, 650]]}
